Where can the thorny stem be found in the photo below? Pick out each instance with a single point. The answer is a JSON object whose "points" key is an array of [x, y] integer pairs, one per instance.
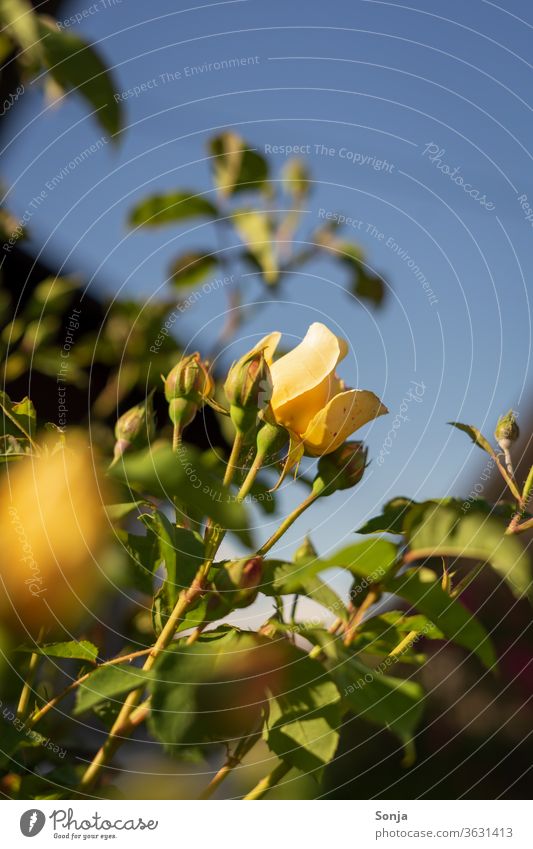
{"points": [[122, 726], [38, 715], [233, 760], [372, 597]]}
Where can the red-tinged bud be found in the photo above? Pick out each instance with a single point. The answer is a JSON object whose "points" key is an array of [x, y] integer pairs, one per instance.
{"points": [[238, 581], [341, 469], [135, 428]]}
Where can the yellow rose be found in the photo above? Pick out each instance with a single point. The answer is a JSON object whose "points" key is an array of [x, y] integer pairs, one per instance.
{"points": [[309, 399], [52, 526]]}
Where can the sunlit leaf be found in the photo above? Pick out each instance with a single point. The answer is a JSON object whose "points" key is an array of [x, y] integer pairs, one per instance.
{"points": [[255, 229], [108, 682], [236, 167], [82, 650], [447, 530]]}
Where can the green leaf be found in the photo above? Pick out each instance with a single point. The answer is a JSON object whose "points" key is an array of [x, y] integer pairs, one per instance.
{"points": [[108, 682], [475, 435], [20, 22], [82, 650], [392, 703], [165, 474], [210, 691], [448, 531], [369, 287], [280, 578], [371, 559], [381, 635], [421, 588], [236, 167], [169, 208], [391, 520], [76, 65], [180, 550], [256, 231], [192, 268], [302, 724], [17, 416], [116, 512], [143, 559]]}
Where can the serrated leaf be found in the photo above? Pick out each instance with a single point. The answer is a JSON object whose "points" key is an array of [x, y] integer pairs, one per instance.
{"points": [[392, 518], [76, 65], [236, 167], [281, 578], [17, 417], [164, 474], [180, 551], [169, 208], [475, 435], [192, 268], [383, 700], [210, 691], [82, 650], [302, 724], [422, 589], [445, 530], [108, 682], [371, 559]]}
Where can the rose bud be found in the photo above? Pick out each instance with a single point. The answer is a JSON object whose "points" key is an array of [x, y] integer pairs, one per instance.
{"points": [[341, 469], [507, 430], [187, 386], [134, 428], [248, 388], [238, 581]]}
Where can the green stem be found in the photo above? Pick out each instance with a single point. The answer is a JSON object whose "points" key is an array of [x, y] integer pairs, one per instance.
{"points": [[24, 700], [269, 781], [232, 761], [121, 727], [291, 518]]}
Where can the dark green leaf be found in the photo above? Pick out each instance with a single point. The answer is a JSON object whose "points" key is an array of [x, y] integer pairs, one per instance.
{"points": [[165, 474], [120, 511], [76, 65], [192, 268], [181, 552], [391, 520], [369, 287], [169, 208]]}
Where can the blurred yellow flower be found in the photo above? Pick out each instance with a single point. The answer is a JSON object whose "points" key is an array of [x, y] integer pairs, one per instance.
{"points": [[308, 397], [52, 524]]}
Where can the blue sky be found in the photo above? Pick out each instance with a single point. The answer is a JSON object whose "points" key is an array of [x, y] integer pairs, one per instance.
{"points": [[364, 79]]}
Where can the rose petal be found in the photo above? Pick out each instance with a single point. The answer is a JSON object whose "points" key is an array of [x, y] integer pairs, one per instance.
{"points": [[303, 378], [343, 415]]}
